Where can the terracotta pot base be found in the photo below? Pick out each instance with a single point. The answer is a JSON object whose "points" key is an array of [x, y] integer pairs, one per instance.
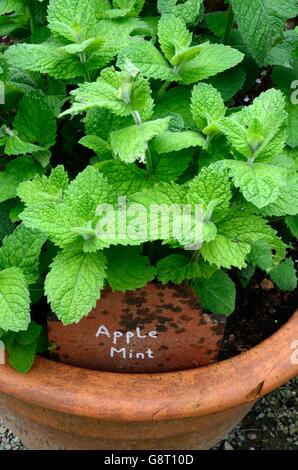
{"points": [[57, 406]]}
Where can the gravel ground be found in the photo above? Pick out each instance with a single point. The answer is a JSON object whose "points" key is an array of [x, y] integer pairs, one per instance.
{"points": [[273, 424]]}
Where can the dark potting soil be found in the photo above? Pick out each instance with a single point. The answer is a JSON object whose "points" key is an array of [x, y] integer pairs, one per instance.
{"points": [[261, 310]]}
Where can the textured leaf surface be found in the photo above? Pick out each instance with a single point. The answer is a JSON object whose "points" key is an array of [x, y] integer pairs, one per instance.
{"points": [[131, 143], [261, 21], [175, 141], [213, 59], [207, 105], [178, 268], [15, 172], [217, 294], [259, 183], [35, 121], [284, 275], [14, 300], [128, 270], [74, 283], [212, 184], [22, 249]]}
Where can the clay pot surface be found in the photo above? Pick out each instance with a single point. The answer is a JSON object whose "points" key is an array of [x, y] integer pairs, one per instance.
{"points": [[155, 329], [57, 406]]}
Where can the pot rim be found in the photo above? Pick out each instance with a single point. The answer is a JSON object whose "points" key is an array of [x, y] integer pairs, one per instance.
{"points": [[126, 397]]}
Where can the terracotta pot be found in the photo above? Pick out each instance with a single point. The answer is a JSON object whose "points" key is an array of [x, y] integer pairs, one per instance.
{"points": [[154, 329], [57, 406]]}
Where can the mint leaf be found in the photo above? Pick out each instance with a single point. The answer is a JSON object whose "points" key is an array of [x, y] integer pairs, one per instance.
{"points": [[173, 36], [14, 300], [236, 232], [128, 270], [131, 143], [22, 249], [292, 223], [217, 294], [18, 170], [187, 11], [43, 188], [125, 179], [30, 336], [179, 268], [74, 283], [284, 275], [33, 117], [115, 91], [261, 255], [174, 141], [21, 357], [261, 21], [286, 203], [148, 59], [259, 183], [213, 59], [207, 106], [211, 185]]}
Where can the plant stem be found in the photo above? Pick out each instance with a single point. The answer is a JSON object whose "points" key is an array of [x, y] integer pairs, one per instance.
{"points": [[229, 25], [31, 19], [163, 89], [83, 60], [149, 164]]}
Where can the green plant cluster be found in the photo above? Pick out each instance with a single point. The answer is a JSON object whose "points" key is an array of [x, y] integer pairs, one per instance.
{"points": [[161, 102]]}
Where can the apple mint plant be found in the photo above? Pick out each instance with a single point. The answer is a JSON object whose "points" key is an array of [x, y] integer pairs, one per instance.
{"points": [[155, 103]]}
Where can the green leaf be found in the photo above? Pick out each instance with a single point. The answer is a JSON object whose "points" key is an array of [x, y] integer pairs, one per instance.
{"points": [[256, 131], [213, 59], [260, 183], [292, 223], [15, 146], [175, 101], [236, 232], [21, 357], [45, 58], [148, 59], [114, 91], [22, 249], [287, 201], [211, 185], [131, 143], [174, 141], [74, 283], [292, 125], [187, 11], [67, 221], [207, 106], [97, 144], [43, 188], [229, 83], [284, 275], [14, 300], [75, 20], [217, 294], [35, 121], [171, 165], [179, 268], [125, 179], [6, 225], [20, 169], [173, 36], [261, 21], [128, 270], [30, 336], [261, 255]]}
